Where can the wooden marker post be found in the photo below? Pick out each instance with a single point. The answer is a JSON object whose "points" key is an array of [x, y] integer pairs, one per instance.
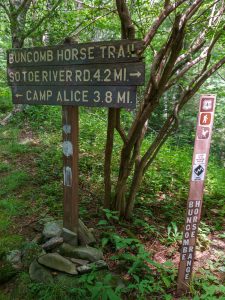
{"points": [[194, 203], [70, 123], [70, 119]]}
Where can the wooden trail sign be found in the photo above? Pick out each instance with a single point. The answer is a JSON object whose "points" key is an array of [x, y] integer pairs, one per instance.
{"points": [[99, 96], [194, 203], [81, 75], [74, 54], [102, 74]]}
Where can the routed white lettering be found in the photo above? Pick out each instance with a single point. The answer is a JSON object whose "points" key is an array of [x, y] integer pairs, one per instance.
{"points": [[11, 76], [191, 248], [197, 203], [195, 219], [190, 212], [85, 96], [191, 204], [121, 52], [183, 257], [187, 235], [111, 51], [91, 53], [102, 49], [11, 58], [188, 227], [194, 227], [189, 263], [192, 234], [185, 249], [83, 53], [189, 219], [188, 270], [28, 95], [196, 211], [59, 97], [190, 256], [186, 242]]}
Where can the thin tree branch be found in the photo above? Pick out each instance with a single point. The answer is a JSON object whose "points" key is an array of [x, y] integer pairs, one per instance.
{"points": [[5, 9], [93, 21], [204, 11], [191, 11], [208, 57], [176, 46], [186, 68], [24, 6], [155, 26]]}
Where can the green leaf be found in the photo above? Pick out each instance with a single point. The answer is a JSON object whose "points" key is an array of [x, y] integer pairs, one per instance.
{"points": [[111, 295], [102, 222], [166, 281], [105, 242]]}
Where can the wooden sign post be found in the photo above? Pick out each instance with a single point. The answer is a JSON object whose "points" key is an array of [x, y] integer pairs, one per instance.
{"points": [[101, 74], [70, 119], [194, 203]]}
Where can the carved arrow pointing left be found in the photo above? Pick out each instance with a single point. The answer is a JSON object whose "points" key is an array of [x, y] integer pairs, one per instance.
{"points": [[18, 95]]}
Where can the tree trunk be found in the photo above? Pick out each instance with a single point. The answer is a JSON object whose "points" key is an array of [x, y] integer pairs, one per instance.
{"points": [[136, 181]]}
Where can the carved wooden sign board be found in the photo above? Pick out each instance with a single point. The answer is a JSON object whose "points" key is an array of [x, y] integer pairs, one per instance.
{"points": [[101, 74], [194, 203]]}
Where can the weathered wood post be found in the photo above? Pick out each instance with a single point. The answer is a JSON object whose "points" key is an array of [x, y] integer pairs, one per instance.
{"points": [[194, 203], [70, 120], [70, 124]]}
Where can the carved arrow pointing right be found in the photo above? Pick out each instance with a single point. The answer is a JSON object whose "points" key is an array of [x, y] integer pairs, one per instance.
{"points": [[137, 74]]}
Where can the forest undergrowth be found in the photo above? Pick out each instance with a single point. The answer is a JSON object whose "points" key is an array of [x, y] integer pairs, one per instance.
{"points": [[142, 253]]}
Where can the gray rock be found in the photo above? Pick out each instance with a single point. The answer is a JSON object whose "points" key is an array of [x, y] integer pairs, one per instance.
{"points": [[39, 274], [57, 262], [98, 265], [89, 253], [85, 235], [77, 261], [69, 237], [52, 229], [52, 243], [14, 257]]}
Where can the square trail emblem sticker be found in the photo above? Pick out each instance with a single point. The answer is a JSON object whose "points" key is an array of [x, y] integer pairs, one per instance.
{"points": [[203, 132], [198, 172], [207, 104], [205, 118]]}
